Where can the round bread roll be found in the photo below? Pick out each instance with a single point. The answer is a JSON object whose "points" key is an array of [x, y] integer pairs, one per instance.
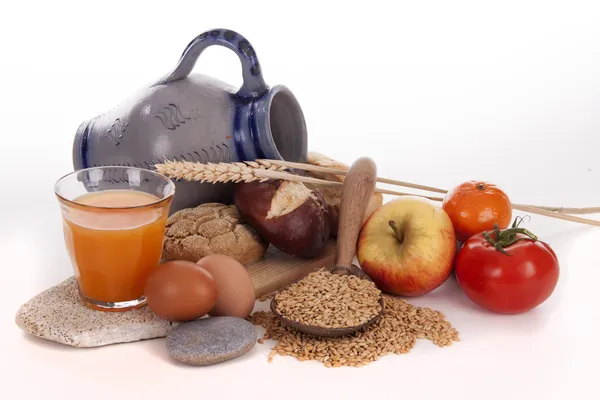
{"points": [[293, 218], [211, 228]]}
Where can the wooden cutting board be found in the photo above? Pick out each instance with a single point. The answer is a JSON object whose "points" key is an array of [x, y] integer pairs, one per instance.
{"points": [[277, 270]]}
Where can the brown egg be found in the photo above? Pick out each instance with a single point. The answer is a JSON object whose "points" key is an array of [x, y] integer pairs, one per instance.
{"points": [[180, 291], [235, 289]]}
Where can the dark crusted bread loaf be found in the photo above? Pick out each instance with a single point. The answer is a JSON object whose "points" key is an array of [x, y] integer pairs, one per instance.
{"points": [[293, 218]]}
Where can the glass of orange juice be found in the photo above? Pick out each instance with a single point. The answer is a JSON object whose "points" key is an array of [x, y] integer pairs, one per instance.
{"points": [[114, 221]]}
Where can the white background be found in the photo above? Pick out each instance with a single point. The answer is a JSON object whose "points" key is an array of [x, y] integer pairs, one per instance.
{"points": [[435, 92]]}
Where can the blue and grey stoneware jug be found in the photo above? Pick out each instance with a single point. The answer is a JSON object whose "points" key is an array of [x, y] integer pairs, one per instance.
{"points": [[194, 117]]}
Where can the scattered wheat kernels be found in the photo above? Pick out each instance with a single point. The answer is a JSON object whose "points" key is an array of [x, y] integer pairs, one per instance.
{"points": [[396, 332], [330, 300], [266, 297]]}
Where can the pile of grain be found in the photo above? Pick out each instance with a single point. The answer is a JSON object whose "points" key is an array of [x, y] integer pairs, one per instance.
{"points": [[396, 332], [330, 300]]}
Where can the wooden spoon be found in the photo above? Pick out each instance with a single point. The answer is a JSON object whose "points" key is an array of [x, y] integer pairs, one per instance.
{"points": [[358, 188]]}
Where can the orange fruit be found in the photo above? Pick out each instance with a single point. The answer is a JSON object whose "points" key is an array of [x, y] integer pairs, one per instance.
{"points": [[475, 206]]}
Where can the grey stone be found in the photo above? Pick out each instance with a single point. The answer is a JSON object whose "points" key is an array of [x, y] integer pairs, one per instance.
{"points": [[58, 314], [211, 340]]}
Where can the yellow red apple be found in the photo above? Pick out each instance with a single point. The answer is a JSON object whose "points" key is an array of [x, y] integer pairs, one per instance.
{"points": [[407, 246]]}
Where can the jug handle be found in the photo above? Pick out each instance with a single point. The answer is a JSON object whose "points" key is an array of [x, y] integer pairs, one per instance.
{"points": [[253, 85]]}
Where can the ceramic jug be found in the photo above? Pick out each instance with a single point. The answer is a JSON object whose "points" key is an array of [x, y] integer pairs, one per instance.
{"points": [[194, 117]]}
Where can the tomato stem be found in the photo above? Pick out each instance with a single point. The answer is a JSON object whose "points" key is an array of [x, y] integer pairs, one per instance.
{"points": [[518, 221], [399, 235], [508, 237]]}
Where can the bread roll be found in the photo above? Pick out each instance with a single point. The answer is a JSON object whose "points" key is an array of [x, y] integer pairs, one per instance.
{"points": [[211, 228], [290, 216]]}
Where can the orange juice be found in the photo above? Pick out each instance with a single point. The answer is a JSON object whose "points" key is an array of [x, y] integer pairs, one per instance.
{"points": [[113, 250]]}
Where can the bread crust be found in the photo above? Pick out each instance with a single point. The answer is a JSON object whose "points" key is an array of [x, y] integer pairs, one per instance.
{"points": [[302, 230], [211, 228], [333, 195]]}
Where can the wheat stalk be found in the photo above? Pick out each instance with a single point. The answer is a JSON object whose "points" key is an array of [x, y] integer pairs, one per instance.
{"points": [[247, 171], [264, 170]]}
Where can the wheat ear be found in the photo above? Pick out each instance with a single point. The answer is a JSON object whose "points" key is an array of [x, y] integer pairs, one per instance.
{"points": [[263, 170], [217, 172]]}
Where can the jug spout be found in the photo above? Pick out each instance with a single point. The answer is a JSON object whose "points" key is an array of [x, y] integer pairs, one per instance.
{"points": [[279, 126]]}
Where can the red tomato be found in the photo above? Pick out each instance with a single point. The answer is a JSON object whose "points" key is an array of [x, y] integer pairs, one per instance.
{"points": [[507, 276]]}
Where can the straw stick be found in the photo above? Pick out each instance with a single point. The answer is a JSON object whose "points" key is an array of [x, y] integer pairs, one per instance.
{"points": [[263, 170], [315, 168], [521, 207], [554, 214]]}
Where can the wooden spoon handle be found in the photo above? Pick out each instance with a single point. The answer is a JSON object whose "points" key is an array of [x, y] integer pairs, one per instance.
{"points": [[358, 188]]}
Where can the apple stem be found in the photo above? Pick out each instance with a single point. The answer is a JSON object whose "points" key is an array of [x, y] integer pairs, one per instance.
{"points": [[397, 232]]}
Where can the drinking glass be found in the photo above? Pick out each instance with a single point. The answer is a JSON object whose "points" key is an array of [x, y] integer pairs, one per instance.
{"points": [[114, 221]]}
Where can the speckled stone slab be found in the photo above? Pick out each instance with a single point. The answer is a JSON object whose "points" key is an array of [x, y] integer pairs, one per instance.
{"points": [[57, 314], [211, 340]]}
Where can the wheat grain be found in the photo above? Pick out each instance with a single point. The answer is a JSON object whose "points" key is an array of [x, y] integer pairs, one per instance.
{"points": [[217, 172], [395, 333], [267, 296], [330, 300]]}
